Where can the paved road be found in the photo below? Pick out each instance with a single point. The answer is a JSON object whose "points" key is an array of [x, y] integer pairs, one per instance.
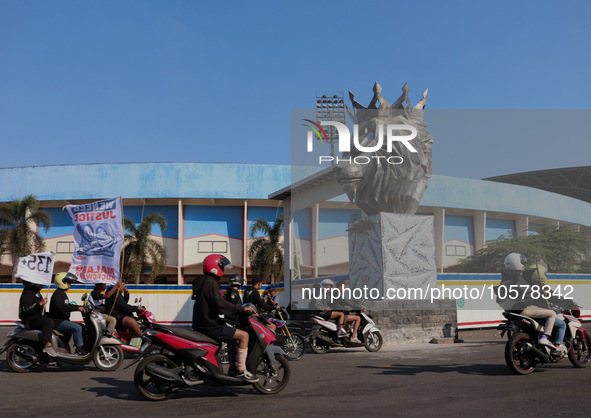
{"points": [[408, 380]]}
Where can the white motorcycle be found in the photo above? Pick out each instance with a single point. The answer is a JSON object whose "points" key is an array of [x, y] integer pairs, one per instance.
{"points": [[324, 334]]}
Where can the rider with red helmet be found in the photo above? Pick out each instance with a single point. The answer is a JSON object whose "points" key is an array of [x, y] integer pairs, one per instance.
{"points": [[210, 304]]}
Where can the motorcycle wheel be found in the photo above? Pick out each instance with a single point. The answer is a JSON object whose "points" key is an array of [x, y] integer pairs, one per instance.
{"points": [[294, 346], [318, 347], [580, 352], [515, 357], [270, 382], [151, 387], [108, 358], [16, 362], [373, 341]]}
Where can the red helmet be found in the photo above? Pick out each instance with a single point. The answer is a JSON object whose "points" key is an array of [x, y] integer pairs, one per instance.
{"points": [[214, 265]]}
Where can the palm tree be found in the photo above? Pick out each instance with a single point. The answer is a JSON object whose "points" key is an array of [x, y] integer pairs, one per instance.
{"points": [[141, 250], [265, 254], [18, 236]]}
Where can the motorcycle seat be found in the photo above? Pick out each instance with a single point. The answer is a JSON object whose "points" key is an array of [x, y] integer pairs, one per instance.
{"points": [[190, 334]]}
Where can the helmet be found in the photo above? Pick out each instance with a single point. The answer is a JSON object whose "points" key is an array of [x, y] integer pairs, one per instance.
{"points": [[61, 280], [214, 265], [33, 286], [327, 282], [236, 280], [539, 271], [514, 261]]}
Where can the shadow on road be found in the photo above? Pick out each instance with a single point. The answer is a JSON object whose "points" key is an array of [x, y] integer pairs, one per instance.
{"points": [[471, 369], [125, 390]]}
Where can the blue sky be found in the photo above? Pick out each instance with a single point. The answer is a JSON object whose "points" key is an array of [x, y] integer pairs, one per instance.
{"points": [[143, 81]]}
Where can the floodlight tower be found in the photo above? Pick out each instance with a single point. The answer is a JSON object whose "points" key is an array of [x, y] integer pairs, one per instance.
{"points": [[331, 109]]}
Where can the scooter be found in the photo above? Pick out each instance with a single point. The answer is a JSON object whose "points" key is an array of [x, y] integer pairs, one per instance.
{"points": [[523, 352], [179, 357], [324, 334], [24, 348]]}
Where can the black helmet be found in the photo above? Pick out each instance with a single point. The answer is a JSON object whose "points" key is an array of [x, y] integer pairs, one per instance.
{"points": [[236, 280], [33, 286]]}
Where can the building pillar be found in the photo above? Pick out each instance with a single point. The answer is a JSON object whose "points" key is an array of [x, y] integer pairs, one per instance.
{"points": [[439, 225], [521, 224], [479, 230], [314, 216], [245, 241], [287, 247], [180, 243]]}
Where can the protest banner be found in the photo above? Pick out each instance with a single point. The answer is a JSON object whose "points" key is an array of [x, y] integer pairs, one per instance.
{"points": [[36, 268], [98, 234]]}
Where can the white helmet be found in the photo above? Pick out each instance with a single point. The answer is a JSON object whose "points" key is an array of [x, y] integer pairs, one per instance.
{"points": [[514, 261], [327, 282]]}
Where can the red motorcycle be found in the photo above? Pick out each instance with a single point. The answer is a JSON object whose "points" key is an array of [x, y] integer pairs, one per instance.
{"points": [[178, 357]]}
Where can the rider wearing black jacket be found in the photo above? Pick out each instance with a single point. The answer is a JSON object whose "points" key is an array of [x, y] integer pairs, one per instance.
{"points": [[252, 295], [209, 304], [233, 294], [30, 311]]}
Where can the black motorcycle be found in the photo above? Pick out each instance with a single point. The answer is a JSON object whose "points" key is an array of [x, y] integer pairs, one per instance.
{"points": [[523, 351], [24, 348]]}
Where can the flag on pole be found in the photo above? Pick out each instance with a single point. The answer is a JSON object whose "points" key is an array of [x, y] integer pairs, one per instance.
{"points": [[36, 268], [98, 234]]}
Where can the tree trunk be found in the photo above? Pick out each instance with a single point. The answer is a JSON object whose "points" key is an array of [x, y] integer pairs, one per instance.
{"points": [[14, 268]]}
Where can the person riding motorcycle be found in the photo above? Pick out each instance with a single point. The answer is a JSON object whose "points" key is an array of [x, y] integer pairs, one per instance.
{"points": [[209, 305], [117, 306], [252, 296], [539, 270], [30, 311], [326, 312], [233, 294], [525, 305], [355, 320], [60, 309]]}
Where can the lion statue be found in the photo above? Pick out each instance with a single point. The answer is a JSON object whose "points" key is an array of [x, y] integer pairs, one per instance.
{"points": [[379, 183]]}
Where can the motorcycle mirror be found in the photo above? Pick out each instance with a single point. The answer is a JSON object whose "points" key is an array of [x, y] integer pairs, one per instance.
{"points": [[135, 301], [84, 297], [140, 301]]}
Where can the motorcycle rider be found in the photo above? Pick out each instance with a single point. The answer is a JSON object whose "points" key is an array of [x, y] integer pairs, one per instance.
{"points": [[354, 319], [31, 311], [209, 305], [526, 305], [252, 296], [539, 275], [270, 297], [326, 312], [233, 294], [60, 309], [98, 299], [117, 305]]}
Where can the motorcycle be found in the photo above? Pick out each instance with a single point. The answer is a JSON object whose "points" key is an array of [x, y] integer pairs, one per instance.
{"points": [[324, 334], [523, 352], [178, 357], [291, 342], [24, 349]]}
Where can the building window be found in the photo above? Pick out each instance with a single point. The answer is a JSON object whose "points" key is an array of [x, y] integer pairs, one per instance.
{"points": [[65, 247], [455, 250], [212, 247]]}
